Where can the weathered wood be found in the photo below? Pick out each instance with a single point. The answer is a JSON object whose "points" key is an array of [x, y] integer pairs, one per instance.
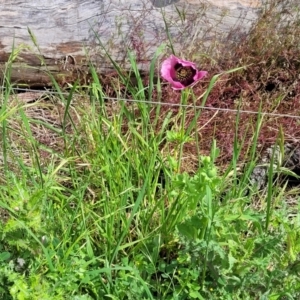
{"points": [[31, 70], [68, 33]]}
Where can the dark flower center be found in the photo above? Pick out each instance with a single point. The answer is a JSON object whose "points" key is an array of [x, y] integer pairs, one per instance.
{"points": [[185, 75]]}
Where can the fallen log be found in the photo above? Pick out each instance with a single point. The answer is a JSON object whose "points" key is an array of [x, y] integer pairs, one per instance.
{"points": [[67, 36], [35, 71]]}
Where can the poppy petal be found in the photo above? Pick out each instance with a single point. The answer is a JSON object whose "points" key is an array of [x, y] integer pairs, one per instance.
{"points": [[169, 72]]}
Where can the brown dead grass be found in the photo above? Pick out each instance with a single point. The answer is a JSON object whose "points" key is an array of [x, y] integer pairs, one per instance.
{"points": [[271, 79], [270, 54]]}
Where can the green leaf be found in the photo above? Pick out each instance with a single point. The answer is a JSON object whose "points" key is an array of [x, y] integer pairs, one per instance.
{"points": [[4, 256], [195, 295], [187, 231]]}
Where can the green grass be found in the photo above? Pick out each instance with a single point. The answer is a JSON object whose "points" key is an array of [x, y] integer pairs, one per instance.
{"points": [[108, 212]]}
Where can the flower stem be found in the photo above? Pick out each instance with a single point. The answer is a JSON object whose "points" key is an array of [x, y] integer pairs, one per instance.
{"points": [[184, 97]]}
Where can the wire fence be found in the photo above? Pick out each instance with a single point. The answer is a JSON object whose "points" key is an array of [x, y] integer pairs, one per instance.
{"points": [[170, 104]]}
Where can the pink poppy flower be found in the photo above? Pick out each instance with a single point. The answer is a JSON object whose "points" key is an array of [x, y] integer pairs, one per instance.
{"points": [[180, 73]]}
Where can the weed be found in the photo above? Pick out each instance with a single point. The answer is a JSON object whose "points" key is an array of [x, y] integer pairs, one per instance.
{"points": [[138, 200]]}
